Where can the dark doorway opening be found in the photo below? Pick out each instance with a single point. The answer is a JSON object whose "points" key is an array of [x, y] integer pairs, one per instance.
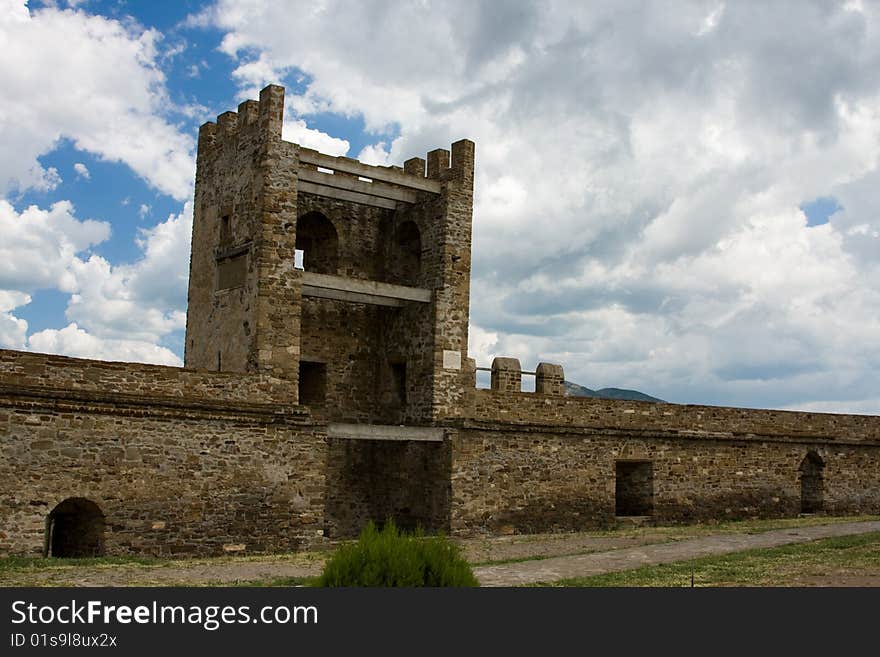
{"points": [[374, 480], [312, 383], [634, 488], [812, 483], [75, 528]]}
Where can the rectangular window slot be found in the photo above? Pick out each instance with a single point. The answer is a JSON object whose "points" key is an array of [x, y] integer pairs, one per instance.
{"points": [[323, 170], [225, 230], [362, 179]]}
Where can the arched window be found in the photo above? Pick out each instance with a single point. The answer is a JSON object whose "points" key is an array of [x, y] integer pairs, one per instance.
{"points": [[75, 528], [812, 484], [316, 238], [409, 252]]}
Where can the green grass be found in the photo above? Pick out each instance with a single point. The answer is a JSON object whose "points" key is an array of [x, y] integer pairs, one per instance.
{"points": [[31, 564], [780, 566]]}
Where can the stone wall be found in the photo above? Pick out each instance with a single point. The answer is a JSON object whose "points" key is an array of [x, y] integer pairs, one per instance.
{"points": [[531, 479], [44, 373], [171, 475], [680, 419]]}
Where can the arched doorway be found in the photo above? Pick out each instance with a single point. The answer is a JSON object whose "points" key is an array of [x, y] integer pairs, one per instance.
{"points": [[317, 239], [812, 484], [75, 528]]}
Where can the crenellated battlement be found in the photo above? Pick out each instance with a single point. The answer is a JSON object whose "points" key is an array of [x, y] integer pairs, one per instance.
{"points": [[264, 117], [507, 376], [438, 165], [417, 173], [253, 118]]}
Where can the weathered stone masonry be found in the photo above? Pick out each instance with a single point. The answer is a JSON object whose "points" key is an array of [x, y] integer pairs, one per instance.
{"points": [[316, 397], [182, 462]]}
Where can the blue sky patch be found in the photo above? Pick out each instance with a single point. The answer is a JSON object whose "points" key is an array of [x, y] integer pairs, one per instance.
{"points": [[819, 210]]}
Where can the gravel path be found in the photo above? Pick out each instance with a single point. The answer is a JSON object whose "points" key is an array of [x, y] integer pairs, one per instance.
{"points": [[596, 563]]}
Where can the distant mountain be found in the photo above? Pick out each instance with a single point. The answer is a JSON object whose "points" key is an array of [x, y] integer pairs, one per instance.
{"points": [[575, 390]]}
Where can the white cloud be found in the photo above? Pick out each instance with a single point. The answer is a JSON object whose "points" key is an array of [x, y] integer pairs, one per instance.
{"points": [[144, 210], [483, 345], [124, 307], [82, 171], [39, 247], [144, 300], [375, 154], [12, 329], [74, 341], [298, 132], [99, 86], [711, 21], [639, 173], [853, 406]]}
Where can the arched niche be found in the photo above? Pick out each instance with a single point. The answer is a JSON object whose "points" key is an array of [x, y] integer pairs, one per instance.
{"points": [[316, 237], [812, 483]]}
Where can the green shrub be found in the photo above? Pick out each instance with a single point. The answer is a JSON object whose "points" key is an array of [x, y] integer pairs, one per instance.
{"points": [[393, 558]]}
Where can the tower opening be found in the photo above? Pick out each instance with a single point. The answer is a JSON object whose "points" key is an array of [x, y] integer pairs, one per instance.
{"points": [[317, 239], [312, 383]]}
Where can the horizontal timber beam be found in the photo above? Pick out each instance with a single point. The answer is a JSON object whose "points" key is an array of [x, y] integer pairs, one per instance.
{"points": [[361, 291], [385, 174], [351, 184], [345, 195], [384, 432]]}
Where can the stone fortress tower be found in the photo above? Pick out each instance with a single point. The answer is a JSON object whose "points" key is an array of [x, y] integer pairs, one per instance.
{"points": [[373, 328]]}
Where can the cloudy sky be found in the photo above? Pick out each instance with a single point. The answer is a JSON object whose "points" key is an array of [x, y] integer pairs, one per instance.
{"points": [[678, 197]]}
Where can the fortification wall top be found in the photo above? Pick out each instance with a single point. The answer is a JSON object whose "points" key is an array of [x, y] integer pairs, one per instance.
{"points": [[417, 173], [520, 409], [263, 116], [20, 370]]}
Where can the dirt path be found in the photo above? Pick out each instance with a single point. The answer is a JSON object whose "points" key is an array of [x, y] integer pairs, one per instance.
{"points": [[596, 563], [546, 557]]}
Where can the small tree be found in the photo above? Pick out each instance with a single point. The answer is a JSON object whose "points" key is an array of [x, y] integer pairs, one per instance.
{"points": [[393, 558]]}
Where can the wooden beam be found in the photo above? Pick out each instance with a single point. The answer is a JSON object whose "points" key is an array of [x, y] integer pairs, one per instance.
{"points": [[361, 291], [344, 195], [385, 174], [384, 432], [349, 183]]}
